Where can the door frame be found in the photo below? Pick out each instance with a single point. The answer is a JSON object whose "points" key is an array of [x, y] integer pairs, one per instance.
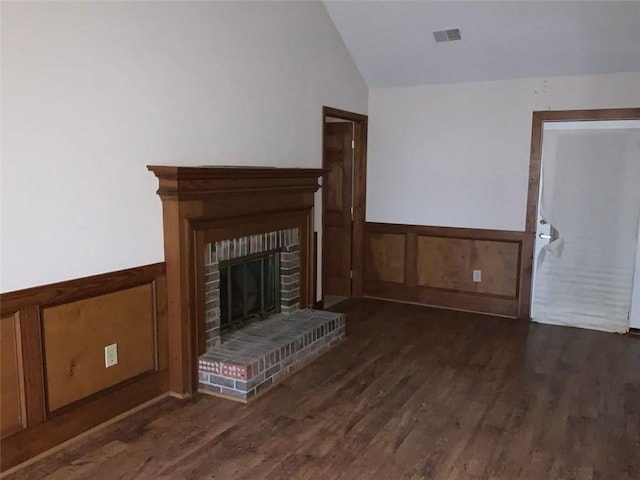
{"points": [[360, 126], [535, 163]]}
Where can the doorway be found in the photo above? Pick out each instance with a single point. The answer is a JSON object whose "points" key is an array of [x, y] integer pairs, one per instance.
{"points": [[583, 211], [344, 140]]}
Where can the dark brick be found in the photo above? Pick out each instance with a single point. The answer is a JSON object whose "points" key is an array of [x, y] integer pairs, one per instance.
{"points": [[232, 393], [267, 383], [221, 381], [288, 303], [250, 384], [289, 270], [272, 370]]}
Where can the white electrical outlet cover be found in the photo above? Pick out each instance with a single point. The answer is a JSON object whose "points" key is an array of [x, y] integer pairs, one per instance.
{"points": [[477, 275], [111, 355]]}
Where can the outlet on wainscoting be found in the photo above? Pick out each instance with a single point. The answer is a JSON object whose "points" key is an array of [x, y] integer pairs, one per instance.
{"points": [[111, 355], [477, 275]]}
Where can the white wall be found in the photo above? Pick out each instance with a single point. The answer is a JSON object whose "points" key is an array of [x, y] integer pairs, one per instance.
{"points": [[93, 92], [458, 154]]}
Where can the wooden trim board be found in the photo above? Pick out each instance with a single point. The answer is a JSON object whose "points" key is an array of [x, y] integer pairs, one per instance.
{"points": [[78, 289]]}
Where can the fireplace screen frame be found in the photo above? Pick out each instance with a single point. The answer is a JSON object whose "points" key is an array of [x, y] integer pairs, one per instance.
{"points": [[247, 318]]}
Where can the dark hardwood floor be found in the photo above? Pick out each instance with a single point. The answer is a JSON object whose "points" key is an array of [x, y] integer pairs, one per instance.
{"points": [[414, 393]]}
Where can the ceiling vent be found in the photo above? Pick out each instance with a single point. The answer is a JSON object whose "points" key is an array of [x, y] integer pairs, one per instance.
{"points": [[447, 35]]}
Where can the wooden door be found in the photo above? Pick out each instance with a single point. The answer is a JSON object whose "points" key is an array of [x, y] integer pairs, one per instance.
{"points": [[337, 202]]}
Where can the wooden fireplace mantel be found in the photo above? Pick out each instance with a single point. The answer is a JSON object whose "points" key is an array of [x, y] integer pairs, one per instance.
{"points": [[208, 203]]}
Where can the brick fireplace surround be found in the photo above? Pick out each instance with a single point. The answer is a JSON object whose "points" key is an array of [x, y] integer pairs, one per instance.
{"points": [[214, 253], [247, 362], [211, 214]]}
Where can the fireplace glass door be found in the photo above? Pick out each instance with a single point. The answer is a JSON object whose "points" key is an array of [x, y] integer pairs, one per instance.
{"points": [[249, 289]]}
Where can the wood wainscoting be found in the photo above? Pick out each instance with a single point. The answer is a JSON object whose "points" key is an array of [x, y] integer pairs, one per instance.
{"points": [[54, 381], [434, 266]]}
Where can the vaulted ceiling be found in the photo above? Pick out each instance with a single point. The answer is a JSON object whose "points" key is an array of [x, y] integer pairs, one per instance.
{"points": [[392, 42]]}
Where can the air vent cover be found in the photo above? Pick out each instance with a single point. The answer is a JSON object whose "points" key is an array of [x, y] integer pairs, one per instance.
{"points": [[447, 35]]}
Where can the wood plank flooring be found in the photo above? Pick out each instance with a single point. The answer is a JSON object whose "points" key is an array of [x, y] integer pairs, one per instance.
{"points": [[414, 393]]}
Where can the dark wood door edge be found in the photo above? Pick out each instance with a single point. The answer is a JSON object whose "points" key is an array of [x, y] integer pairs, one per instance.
{"points": [[359, 191]]}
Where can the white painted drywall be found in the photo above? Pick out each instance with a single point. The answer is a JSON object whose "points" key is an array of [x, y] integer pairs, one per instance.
{"points": [[458, 154], [93, 92]]}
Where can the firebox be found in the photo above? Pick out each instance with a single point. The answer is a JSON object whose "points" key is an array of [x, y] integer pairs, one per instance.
{"points": [[249, 278], [249, 289]]}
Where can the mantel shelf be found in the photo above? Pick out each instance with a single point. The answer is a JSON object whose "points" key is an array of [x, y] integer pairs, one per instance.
{"points": [[188, 182]]}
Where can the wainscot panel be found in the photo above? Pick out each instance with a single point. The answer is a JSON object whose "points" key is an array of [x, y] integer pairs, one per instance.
{"points": [[12, 391], [76, 333], [385, 257], [435, 266], [54, 381]]}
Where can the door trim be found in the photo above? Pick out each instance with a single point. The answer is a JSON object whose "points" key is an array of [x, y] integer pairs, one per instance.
{"points": [[535, 161], [360, 126]]}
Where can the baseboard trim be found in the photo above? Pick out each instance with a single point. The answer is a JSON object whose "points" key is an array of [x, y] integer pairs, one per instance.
{"points": [[83, 435], [435, 297], [441, 307], [180, 396], [634, 331]]}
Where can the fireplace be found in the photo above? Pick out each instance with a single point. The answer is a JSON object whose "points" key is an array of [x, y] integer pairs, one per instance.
{"points": [[207, 205], [233, 224]]}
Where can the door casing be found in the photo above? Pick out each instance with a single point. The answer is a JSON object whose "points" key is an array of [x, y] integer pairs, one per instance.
{"points": [[535, 162], [360, 125]]}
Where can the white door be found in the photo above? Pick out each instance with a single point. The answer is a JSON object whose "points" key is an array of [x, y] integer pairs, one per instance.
{"points": [[589, 209]]}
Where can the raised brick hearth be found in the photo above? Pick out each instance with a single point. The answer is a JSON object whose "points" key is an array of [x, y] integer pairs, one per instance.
{"points": [[241, 364], [259, 355]]}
